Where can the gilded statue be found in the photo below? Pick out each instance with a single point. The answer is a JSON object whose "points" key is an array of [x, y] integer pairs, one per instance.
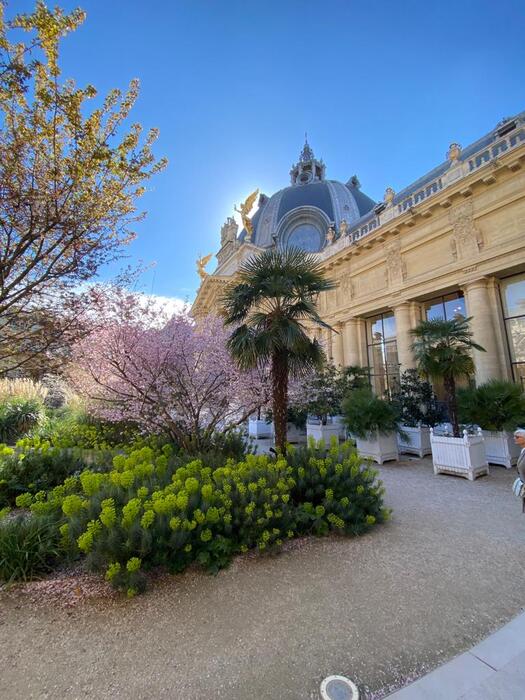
{"points": [[245, 209], [201, 264]]}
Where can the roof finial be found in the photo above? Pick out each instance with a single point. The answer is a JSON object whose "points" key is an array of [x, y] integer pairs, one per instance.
{"points": [[306, 154]]}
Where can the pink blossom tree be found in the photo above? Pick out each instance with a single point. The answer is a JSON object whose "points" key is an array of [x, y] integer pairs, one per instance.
{"points": [[168, 375]]}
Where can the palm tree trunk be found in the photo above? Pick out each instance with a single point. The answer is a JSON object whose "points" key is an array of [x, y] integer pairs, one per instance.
{"points": [[450, 391], [280, 397]]}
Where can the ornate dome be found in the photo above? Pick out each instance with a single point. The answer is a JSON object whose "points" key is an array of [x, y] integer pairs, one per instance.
{"points": [[312, 211]]}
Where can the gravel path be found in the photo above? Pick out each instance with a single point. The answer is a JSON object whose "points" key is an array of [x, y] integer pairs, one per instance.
{"points": [[445, 572]]}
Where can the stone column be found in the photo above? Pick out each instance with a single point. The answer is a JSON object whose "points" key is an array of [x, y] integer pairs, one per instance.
{"points": [[404, 313], [337, 345], [350, 333], [326, 342], [483, 329]]}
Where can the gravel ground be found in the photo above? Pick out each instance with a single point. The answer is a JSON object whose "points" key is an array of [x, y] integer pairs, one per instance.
{"points": [[445, 572]]}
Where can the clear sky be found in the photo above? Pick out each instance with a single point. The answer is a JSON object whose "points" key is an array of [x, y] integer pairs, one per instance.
{"points": [[381, 87]]}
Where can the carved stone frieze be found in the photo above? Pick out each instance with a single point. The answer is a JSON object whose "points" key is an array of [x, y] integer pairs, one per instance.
{"points": [[467, 239], [395, 265], [229, 231], [345, 289]]}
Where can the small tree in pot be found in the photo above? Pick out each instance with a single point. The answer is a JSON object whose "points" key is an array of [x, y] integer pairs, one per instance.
{"points": [[374, 423], [419, 409], [443, 351], [497, 407]]}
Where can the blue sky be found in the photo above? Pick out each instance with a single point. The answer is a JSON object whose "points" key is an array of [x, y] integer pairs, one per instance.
{"points": [[381, 88]]}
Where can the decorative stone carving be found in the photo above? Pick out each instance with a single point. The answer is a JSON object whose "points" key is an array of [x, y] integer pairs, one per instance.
{"points": [[395, 265], [468, 239], [330, 235], [453, 248], [454, 151], [229, 231], [343, 228], [389, 196], [347, 287]]}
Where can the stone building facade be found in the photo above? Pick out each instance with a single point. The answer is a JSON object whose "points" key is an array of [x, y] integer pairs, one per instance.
{"points": [[451, 243]]}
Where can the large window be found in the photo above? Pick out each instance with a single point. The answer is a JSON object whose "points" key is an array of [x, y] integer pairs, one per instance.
{"points": [[513, 299], [448, 306], [382, 353], [306, 237]]}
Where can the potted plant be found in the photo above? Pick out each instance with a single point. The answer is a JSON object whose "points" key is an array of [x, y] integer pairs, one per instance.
{"points": [[350, 378], [419, 409], [321, 399], [374, 423], [296, 425], [497, 407], [443, 350]]}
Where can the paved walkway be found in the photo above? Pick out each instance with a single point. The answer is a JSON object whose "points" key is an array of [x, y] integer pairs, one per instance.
{"points": [[448, 570], [491, 670]]}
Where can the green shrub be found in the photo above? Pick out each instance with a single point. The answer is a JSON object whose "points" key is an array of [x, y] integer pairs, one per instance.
{"points": [[365, 413], [333, 491], [496, 405], [149, 511], [222, 446], [34, 470], [29, 547], [18, 416], [68, 428]]}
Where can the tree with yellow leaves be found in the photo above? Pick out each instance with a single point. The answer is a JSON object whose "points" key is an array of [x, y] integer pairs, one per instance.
{"points": [[70, 178]]}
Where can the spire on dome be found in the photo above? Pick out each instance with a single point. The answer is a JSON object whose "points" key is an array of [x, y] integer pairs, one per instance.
{"points": [[306, 154], [308, 168]]}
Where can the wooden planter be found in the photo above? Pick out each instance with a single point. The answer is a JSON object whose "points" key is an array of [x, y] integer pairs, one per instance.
{"points": [[419, 440], [463, 456], [500, 448], [381, 448]]}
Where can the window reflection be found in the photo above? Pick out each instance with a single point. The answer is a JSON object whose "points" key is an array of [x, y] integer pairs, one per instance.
{"points": [[513, 299], [382, 353], [447, 306]]}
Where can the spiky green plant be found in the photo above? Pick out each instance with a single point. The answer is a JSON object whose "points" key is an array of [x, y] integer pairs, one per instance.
{"points": [[274, 295], [496, 405], [29, 547]]}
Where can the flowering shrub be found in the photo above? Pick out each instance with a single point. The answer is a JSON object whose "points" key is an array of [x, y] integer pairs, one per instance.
{"points": [[150, 511], [174, 377]]}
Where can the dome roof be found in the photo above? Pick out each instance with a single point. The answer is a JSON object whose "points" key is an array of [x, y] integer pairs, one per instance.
{"points": [[303, 214]]}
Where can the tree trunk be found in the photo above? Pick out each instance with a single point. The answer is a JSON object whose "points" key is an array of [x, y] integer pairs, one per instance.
{"points": [[450, 390], [280, 398]]}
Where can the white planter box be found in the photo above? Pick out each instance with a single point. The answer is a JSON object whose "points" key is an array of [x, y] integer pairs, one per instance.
{"points": [[380, 448], [500, 448], [260, 428], [295, 434], [322, 432], [464, 456], [340, 421], [419, 443]]}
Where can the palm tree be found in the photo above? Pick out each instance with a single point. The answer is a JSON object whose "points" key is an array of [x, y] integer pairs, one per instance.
{"points": [[274, 294], [443, 351]]}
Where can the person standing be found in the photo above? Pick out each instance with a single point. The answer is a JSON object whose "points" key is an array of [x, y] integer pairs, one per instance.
{"points": [[519, 439]]}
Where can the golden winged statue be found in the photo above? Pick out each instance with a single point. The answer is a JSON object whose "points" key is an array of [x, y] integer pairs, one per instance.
{"points": [[201, 264], [245, 209]]}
